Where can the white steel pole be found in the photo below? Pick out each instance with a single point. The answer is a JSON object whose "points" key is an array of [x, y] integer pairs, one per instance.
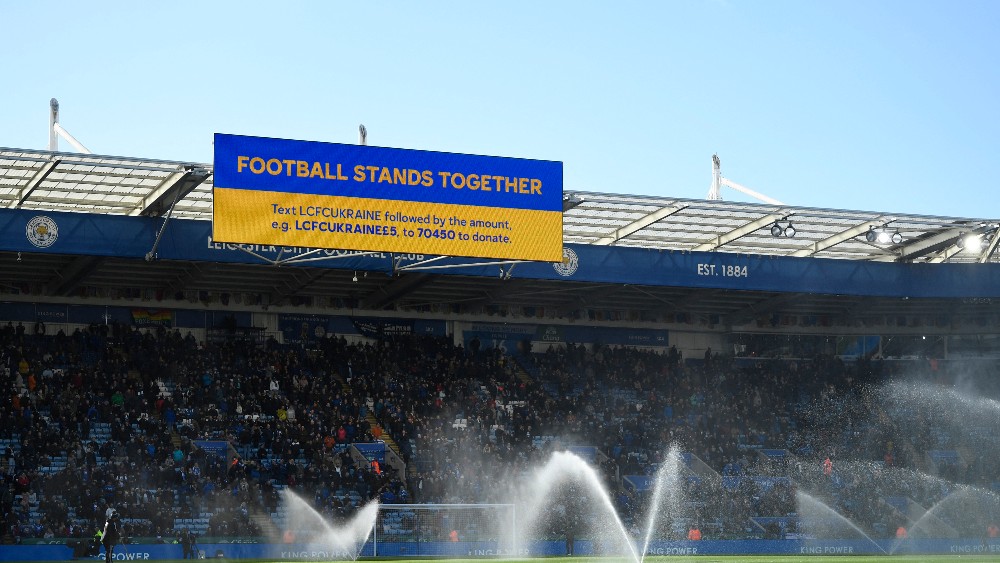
{"points": [[715, 191], [70, 138], [375, 535], [53, 119], [513, 532], [749, 192]]}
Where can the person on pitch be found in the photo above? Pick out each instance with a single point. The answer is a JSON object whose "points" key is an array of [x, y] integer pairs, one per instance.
{"points": [[112, 533]]}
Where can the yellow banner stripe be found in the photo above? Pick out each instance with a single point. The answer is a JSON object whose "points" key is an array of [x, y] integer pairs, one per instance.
{"points": [[378, 225]]}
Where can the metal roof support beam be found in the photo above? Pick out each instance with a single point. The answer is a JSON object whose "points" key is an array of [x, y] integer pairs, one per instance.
{"points": [[669, 303], [945, 254], [300, 283], [838, 238], [930, 244], [192, 274], [638, 224], [764, 307], [859, 308], [70, 138], [520, 290], [173, 188], [496, 294], [413, 267], [570, 201], [151, 255], [743, 231], [954, 248], [990, 248], [155, 195], [75, 273], [398, 287], [523, 292], [741, 188], [694, 299], [301, 258], [396, 267], [585, 296], [33, 183]]}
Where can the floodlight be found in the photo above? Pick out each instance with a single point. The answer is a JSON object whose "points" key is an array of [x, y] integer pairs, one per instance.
{"points": [[789, 231], [970, 243], [776, 230], [570, 201], [882, 236]]}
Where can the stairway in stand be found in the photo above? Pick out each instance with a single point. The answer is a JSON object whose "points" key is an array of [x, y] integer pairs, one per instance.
{"points": [[265, 522], [522, 373], [380, 433]]}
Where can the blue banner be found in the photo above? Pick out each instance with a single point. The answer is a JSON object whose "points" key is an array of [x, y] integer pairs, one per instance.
{"points": [[51, 312], [376, 327], [639, 482], [142, 317], [58, 551], [372, 451], [96, 314], [184, 240], [360, 171], [586, 453], [298, 329], [508, 336], [219, 448]]}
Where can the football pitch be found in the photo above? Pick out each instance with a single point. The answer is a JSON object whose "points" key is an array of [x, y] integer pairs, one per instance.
{"points": [[683, 558], [735, 559], [650, 559], [747, 559], [782, 558]]}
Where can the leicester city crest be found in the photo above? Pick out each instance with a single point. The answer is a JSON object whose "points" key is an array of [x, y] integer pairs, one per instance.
{"points": [[569, 264], [42, 231]]}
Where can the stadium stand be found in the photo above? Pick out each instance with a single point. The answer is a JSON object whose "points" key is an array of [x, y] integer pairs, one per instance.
{"points": [[90, 422], [758, 383]]}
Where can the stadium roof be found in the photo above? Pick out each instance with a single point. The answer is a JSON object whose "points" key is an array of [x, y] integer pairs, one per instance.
{"points": [[85, 183], [56, 181]]}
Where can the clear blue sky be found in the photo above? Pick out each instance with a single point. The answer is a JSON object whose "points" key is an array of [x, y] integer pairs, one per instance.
{"points": [[867, 105]]}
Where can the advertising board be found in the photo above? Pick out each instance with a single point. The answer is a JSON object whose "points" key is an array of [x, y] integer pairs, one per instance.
{"points": [[328, 195]]}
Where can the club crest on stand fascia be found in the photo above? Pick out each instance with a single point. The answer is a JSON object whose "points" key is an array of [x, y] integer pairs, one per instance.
{"points": [[42, 231], [569, 264]]}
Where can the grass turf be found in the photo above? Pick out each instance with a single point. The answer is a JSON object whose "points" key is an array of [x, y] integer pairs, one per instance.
{"points": [[680, 558], [649, 559], [738, 559]]}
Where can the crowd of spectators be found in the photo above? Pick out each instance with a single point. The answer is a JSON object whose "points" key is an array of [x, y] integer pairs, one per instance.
{"points": [[765, 427], [109, 415]]}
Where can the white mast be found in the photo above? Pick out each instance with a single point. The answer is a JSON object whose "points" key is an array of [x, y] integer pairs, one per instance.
{"points": [[715, 191]]}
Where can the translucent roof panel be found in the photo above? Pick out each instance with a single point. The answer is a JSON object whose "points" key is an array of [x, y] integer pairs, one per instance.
{"points": [[88, 183], [85, 183]]}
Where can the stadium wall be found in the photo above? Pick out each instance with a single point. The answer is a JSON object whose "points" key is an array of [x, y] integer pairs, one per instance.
{"points": [[187, 240], [58, 551]]}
